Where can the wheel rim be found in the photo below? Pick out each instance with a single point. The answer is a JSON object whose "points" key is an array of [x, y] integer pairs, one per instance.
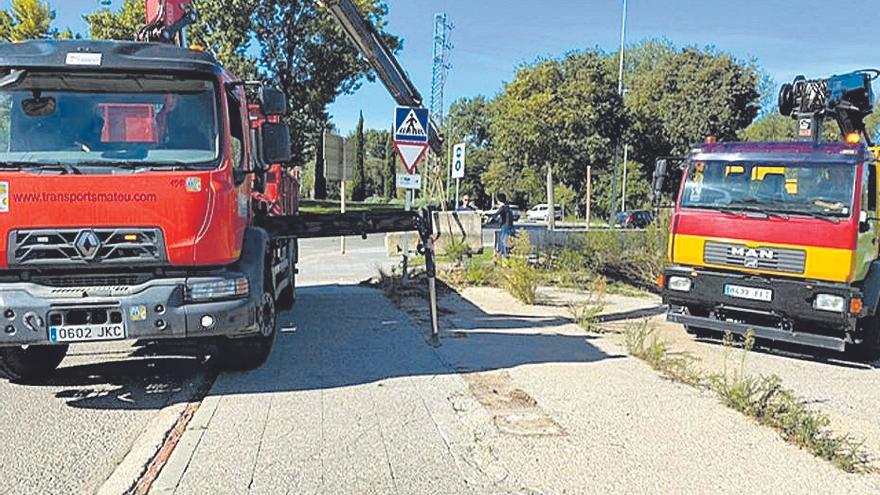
{"points": [[266, 315]]}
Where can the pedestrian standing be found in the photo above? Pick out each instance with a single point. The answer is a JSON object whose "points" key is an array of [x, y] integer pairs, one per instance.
{"points": [[466, 204], [504, 216]]}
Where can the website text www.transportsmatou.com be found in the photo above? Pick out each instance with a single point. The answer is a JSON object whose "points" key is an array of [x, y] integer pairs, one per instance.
{"points": [[84, 197]]}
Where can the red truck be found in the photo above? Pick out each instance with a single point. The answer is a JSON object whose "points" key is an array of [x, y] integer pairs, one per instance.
{"points": [[143, 196], [131, 175]]}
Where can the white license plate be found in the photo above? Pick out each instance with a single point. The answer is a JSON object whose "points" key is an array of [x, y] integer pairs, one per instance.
{"points": [[753, 293], [86, 333]]}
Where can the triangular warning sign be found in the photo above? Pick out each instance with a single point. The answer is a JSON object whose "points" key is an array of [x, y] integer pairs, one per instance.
{"points": [[411, 154], [411, 126]]}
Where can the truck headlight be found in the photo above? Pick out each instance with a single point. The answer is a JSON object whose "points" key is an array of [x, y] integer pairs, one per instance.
{"points": [[829, 302], [680, 284], [218, 289]]}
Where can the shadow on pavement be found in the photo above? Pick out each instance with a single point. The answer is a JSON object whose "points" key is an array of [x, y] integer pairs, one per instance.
{"points": [[351, 336], [344, 336], [142, 380]]}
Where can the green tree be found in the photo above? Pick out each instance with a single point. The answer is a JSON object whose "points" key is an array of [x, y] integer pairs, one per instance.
{"points": [[29, 19], [566, 112], [389, 179], [771, 127], [469, 121], [358, 180], [306, 53], [565, 196], [32, 20], [122, 24], [677, 97]]}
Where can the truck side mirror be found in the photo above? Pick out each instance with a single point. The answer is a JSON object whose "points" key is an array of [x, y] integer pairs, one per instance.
{"points": [[276, 143], [272, 101], [660, 175]]}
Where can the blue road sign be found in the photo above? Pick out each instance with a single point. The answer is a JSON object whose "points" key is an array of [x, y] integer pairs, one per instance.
{"points": [[411, 124]]}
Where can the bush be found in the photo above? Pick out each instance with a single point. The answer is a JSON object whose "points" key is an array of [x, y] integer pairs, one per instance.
{"points": [[457, 250], [520, 278]]}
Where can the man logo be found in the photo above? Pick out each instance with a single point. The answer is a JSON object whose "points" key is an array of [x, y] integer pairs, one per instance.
{"points": [[751, 256], [757, 253]]}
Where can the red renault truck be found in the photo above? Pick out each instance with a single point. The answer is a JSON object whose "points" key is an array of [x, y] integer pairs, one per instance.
{"points": [[132, 179], [781, 239]]}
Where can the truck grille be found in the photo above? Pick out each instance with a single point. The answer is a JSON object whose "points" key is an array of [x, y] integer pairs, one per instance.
{"points": [[65, 247], [757, 258]]}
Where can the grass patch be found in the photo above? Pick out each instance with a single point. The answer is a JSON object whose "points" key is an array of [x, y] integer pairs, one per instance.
{"points": [[763, 398], [587, 314]]}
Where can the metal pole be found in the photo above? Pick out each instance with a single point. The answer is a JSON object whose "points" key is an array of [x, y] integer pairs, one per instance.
{"points": [[551, 210], [623, 196], [407, 205], [342, 208], [619, 92], [622, 48], [449, 154], [589, 192], [457, 189]]}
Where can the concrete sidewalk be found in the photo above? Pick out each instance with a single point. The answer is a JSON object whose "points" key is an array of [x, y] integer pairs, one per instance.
{"points": [[515, 400]]}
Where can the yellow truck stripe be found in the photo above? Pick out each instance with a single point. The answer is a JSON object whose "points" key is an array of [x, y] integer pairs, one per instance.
{"points": [[834, 265]]}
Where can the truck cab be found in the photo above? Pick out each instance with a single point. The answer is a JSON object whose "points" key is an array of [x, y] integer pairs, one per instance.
{"points": [[130, 177], [777, 239]]}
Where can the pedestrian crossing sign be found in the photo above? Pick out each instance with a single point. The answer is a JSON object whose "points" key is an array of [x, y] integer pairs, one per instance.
{"points": [[411, 124]]}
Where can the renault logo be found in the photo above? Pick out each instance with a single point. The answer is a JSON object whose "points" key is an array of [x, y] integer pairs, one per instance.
{"points": [[87, 244]]}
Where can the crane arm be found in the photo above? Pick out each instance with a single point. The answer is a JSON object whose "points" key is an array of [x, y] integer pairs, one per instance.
{"points": [[368, 41]]}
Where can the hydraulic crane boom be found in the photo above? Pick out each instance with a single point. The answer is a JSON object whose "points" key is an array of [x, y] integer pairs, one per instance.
{"points": [[364, 35], [846, 98]]}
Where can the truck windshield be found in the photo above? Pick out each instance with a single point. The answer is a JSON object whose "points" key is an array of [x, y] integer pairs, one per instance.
{"points": [[108, 120], [805, 188]]}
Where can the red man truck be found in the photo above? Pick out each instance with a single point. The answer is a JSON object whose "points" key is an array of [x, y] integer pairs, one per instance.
{"points": [[781, 239]]}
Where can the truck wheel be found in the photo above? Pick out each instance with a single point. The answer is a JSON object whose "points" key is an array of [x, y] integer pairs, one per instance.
{"points": [[31, 362], [251, 352], [288, 296], [869, 349]]}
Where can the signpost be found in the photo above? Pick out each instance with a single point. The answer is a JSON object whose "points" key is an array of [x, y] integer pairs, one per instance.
{"points": [[411, 143], [338, 158], [458, 161]]}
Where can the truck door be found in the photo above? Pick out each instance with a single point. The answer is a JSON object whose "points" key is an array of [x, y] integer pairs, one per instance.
{"points": [[240, 152]]}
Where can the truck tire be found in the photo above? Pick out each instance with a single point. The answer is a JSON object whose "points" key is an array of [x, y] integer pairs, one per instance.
{"points": [[31, 362], [869, 349], [287, 298], [251, 352]]}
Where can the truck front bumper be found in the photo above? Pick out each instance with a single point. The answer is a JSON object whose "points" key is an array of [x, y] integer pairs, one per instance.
{"points": [[789, 316], [157, 309]]}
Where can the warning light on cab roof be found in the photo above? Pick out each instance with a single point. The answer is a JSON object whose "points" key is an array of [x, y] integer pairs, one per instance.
{"points": [[853, 138]]}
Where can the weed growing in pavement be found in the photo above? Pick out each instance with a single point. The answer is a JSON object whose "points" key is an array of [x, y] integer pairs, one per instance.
{"points": [[588, 313], [520, 278], [763, 398], [642, 343], [457, 250]]}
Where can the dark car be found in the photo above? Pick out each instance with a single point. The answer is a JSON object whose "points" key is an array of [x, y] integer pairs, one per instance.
{"points": [[634, 219], [488, 214]]}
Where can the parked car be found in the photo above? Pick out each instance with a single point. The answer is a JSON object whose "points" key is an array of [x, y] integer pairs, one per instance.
{"points": [[541, 213], [488, 214], [634, 219]]}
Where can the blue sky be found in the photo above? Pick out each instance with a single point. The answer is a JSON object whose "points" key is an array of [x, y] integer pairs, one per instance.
{"points": [[492, 37]]}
